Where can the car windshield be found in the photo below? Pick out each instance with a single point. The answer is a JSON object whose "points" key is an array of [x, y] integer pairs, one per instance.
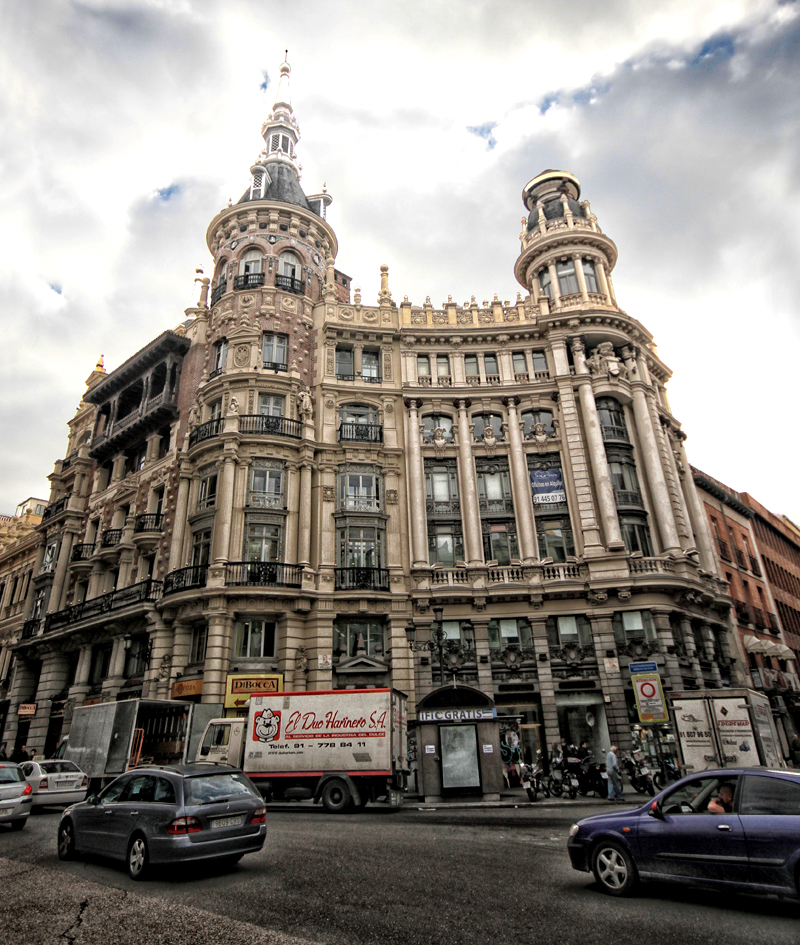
{"points": [[7, 775], [58, 767], [207, 788]]}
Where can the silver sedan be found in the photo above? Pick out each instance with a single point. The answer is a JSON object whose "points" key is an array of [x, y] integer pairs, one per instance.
{"points": [[15, 796], [55, 782]]}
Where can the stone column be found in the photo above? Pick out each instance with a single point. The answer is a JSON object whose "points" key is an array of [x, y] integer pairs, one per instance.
{"points": [[697, 515], [523, 500], [691, 647], [224, 513], [555, 288], [597, 451], [116, 670], [402, 657], [600, 268], [667, 642], [358, 359], [550, 734], [473, 546], [416, 487], [708, 639], [304, 517], [156, 681], [58, 589], [179, 523], [78, 690], [218, 656], [52, 680], [181, 645], [619, 728], [662, 506], [480, 626], [581, 276]]}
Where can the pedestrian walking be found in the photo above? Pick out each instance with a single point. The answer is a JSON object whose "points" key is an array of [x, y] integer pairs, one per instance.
{"points": [[614, 779]]}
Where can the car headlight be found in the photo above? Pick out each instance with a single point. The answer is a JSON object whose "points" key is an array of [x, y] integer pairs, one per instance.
{"points": [[573, 830]]}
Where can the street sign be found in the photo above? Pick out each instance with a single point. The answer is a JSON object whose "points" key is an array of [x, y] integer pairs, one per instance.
{"points": [[238, 688], [637, 668], [650, 698]]}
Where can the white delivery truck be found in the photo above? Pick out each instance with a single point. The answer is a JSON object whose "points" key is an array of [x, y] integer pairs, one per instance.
{"points": [[343, 747], [725, 728]]}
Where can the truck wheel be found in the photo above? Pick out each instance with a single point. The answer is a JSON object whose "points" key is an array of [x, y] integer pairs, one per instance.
{"points": [[336, 796]]}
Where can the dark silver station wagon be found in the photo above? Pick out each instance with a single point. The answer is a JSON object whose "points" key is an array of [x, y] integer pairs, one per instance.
{"points": [[168, 814]]}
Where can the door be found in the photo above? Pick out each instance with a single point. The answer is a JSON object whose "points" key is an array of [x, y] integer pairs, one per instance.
{"points": [[692, 842], [94, 822], [459, 756], [770, 813]]}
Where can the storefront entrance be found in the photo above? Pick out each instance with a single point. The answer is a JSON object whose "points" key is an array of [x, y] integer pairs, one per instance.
{"points": [[582, 717]]}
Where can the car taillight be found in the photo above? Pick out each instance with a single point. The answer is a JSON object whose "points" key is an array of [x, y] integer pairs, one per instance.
{"points": [[259, 815], [28, 790], [182, 825], [43, 784], [85, 780]]}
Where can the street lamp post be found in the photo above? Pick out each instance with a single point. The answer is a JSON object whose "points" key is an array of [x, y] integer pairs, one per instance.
{"points": [[436, 642]]}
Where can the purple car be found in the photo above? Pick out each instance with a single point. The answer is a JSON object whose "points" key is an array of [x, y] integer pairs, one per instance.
{"points": [[732, 828]]}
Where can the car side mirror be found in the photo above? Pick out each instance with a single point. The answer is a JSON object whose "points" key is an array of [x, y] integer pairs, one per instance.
{"points": [[655, 811], [94, 800], [205, 750]]}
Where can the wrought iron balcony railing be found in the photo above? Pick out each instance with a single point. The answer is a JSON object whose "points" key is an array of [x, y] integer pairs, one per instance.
{"points": [[144, 591], [274, 366], [291, 284], [611, 431], [263, 574], [448, 508], [83, 551], [30, 628], [185, 579], [111, 537], [362, 579], [149, 522], [627, 498], [269, 426], [249, 280], [54, 508], [361, 432], [205, 430], [218, 292]]}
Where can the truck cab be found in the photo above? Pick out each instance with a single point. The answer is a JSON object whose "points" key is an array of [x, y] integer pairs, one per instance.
{"points": [[223, 742]]}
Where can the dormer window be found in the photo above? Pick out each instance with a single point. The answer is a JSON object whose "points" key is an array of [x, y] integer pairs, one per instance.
{"points": [[257, 187]]}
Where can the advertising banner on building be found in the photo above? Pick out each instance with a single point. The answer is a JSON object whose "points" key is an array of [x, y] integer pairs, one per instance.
{"points": [[547, 486]]}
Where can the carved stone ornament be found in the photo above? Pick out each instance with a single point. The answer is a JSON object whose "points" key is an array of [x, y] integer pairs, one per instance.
{"points": [[289, 304], [346, 314], [194, 415], [301, 660], [328, 494], [539, 436], [246, 301], [241, 356], [623, 593], [391, 496], [465, 318], [604, 361], [164, 668], [233, 406], [489, 440], [597, 597], [511, 315], [439, 441], [305, 404], [369, 316]]}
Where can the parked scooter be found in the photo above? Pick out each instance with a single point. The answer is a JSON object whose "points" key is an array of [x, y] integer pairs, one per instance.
{"points": [[563, 782], [638, 773], [533, 779], [669, 772], [592, 777]]}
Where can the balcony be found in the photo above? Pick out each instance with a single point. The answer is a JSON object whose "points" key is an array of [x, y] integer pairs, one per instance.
{"points": [[772, 622], [503, 506], [362, 579], [263, 574], [30, 628], [451, 577], [493, 379], [754, 566], [291, 284], [451, 507], [263, 425], [520, 377], [149, 522], [741, 558], [361, 432], [760, 618], [563, 572], [251, 280], [218, 292], [216, 373], [145, 591], [651, 566], [724, 549], [205, 430], [743, 611], [111, 537], [611, 432], [628, 498], [185, 579], [54, 508], [68, 461], [510, 575], [360, 503], [82, 552], [275, 366]]}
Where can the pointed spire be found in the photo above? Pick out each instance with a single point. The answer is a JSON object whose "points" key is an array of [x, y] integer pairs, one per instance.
{"points": [[284, 96]]}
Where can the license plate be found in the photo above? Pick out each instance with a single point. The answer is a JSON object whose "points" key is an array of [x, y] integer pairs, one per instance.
{"points": [[644, 771], [526, 784], [5, 810], [574, 782], [604, 776], [226, 821]]}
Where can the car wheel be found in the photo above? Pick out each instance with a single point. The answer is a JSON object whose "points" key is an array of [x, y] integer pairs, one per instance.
{"points": [[614, 869], [137, 858], [18, 824], [336, 796], [66, 841]]}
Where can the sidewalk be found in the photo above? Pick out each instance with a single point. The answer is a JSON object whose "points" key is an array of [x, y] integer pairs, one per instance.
{"points": [[516, 797]]}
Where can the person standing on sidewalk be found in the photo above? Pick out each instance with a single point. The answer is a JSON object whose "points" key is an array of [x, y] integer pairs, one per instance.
{"points": [[614, 779]]}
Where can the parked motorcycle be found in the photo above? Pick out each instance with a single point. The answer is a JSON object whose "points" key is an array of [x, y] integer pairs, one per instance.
{"points": [[533, 779], [592, 777], [669, 772], [638, 773], [563, 781]]}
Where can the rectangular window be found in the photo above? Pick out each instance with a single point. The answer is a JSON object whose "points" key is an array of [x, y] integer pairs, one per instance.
{"points": [[49, 561], [490, 364], [636, 535], [567, 280], [445, 544], [197, 651], [544, 283], [254, 639], [135, 662], [555, 539], [442, 365], [494, 489], [634, 625], [266, 488], [220, 356], [505, 633], [207, 494], [570, 630], [500, 543], [349, 636], [215, 410], [263, 542], [359, 492], [371, 365], [590, 275], [101, 661], [273, 350], [520, 362], [471, 365], [539, 361], [270, 405], [344, 363], [201, 547], [423, 365], [359, 547]]}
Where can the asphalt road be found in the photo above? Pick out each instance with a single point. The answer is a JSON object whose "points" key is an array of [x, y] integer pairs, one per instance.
{"points": [[438, 877]]}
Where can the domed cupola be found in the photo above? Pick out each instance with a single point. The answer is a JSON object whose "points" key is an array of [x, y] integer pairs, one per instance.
{"points": [[276, 171], [555, 193]]}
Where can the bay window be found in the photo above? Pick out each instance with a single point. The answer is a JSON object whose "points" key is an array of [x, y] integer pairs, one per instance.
{"points": [[254, 639]]}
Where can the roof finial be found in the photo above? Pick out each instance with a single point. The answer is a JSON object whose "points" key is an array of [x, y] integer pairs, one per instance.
{"points": [[282, 96]]}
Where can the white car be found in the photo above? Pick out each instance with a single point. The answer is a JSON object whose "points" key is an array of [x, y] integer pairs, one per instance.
{"points": [[55, 782]]}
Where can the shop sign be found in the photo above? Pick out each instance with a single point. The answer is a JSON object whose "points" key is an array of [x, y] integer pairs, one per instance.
{"points": [[650, 698], [637, 668], [26, 708], [547, 486], [188, 687], [457, 715], [239, 688]]}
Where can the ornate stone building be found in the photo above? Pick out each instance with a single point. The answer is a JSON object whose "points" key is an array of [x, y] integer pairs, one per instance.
{"points": [[487, 506]]}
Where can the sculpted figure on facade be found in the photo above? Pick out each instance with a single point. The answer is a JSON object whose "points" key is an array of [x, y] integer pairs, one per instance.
{"points": [[233, 407], [604, 360], [305, 405]]}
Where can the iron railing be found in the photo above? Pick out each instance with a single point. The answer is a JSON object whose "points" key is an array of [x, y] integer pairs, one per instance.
{"points": [[274, 366], [611, 431], [269, 426], [218, 292], [297, 286], [362, 432], [111, 537], [205, 430], [54, 508], [627, 498], [148, 590], [83, 551], [263, 574], [362, 579], [249, 280], [185, 579], [30, 628], [149, 522]]}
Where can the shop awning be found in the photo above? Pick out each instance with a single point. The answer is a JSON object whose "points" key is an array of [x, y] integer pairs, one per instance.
{"points": [[754, 645]]}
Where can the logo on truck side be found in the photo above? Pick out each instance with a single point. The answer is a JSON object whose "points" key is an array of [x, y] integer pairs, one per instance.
{"points": [[267, 726]]}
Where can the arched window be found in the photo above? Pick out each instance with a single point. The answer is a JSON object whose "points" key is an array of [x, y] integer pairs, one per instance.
{"points": [[251, 262], [531, 417], [290, 265], [437, 421], [483, 421]]}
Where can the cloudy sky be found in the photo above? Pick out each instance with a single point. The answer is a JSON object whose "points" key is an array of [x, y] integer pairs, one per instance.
{"points": [[127, 124]]}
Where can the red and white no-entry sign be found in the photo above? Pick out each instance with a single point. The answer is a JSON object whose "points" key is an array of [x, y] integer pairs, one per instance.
{"points": [[650, 698]]}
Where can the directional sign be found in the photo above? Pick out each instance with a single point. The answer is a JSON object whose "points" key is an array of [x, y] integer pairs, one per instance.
{"points": [[650, 698], [637, 668], [238, 688]]}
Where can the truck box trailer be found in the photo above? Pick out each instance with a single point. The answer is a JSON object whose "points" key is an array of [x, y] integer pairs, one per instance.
{"points": [[343, 747]]}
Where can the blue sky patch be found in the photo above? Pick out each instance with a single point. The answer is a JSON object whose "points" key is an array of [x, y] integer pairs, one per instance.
{"points": [[484, 131], [716, 47], [56, 288], [167, 193], [264, 82]]}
